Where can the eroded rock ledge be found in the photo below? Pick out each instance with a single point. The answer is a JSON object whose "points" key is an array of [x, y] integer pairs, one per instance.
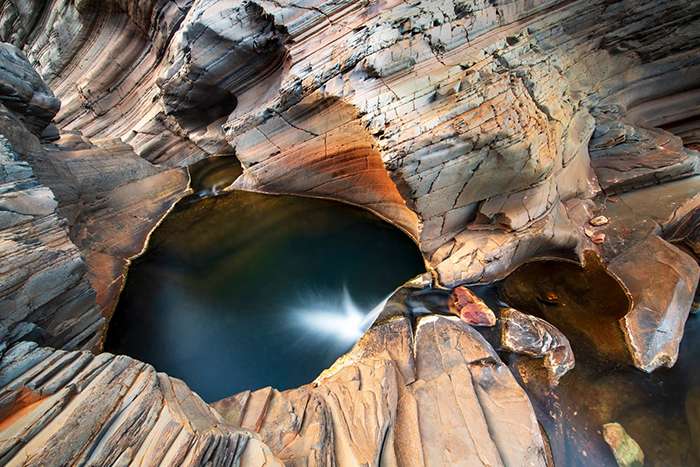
{"points": [[465, 123], [439, 397]]}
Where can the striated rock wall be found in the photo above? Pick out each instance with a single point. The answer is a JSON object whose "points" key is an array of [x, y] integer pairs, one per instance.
{"points": [[464, 123], [70, 408], [75, 212], [44, 291]]}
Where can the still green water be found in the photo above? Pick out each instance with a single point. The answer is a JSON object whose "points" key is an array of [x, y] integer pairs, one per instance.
{"points": [[244, 290]]}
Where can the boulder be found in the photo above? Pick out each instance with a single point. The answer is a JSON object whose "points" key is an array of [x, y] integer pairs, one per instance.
{"points": [[661, 280], [470, 308], [535, 337]]}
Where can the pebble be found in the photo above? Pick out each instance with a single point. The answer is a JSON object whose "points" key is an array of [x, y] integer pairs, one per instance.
{"points": [[598, 238], [598, 221]]}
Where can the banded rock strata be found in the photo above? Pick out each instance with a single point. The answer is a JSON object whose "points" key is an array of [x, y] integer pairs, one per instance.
{"points": [[75, 212], [464, 123], [490, 131], [442, 397], [439, 397], [44, 291], [75, 408]]}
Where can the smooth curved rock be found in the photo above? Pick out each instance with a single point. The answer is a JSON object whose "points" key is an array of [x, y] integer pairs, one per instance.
{"points": [[662, 281], [112, 199], [24, 92], [222, 49], [441, 397], [535, 337]]}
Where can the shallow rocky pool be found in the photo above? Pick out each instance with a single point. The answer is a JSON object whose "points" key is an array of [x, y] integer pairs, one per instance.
{"points": [[244, 290], [660, 411]]}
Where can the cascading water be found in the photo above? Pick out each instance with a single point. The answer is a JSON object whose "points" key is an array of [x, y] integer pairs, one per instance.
{"points": [[336, 316]]}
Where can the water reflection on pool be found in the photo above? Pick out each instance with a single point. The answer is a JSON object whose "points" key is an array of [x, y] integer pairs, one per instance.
{"points": [[661, 410], [246, 290]]}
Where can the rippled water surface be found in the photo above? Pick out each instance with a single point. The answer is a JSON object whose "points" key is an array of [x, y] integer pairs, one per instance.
{"points": [[245, 290]]}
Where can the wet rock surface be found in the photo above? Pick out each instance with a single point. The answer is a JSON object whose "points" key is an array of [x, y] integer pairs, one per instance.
{"points": [[627, 451], [662, 281], [440, 396], [583, 302], [470, 308], [490, 132], [532, 336], [656, 409]]}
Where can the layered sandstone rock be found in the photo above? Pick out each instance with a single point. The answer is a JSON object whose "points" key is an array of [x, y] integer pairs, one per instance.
{"points": [[113, 200], [436, 395], [107, 201], [44, 291], [441, 397], [467, 125], [491, 132], [69, 408], [649, 248], [24, 92]]}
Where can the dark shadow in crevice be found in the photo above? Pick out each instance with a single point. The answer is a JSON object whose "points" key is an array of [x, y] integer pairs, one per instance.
{"points": [[584, 302]]}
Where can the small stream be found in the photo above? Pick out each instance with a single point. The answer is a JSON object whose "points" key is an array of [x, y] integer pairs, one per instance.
{"points": [[244, 290]]}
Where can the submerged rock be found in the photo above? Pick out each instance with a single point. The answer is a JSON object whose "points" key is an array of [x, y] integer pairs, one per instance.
{"points": [[626, 450], [470, 308], [535, 337]]}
